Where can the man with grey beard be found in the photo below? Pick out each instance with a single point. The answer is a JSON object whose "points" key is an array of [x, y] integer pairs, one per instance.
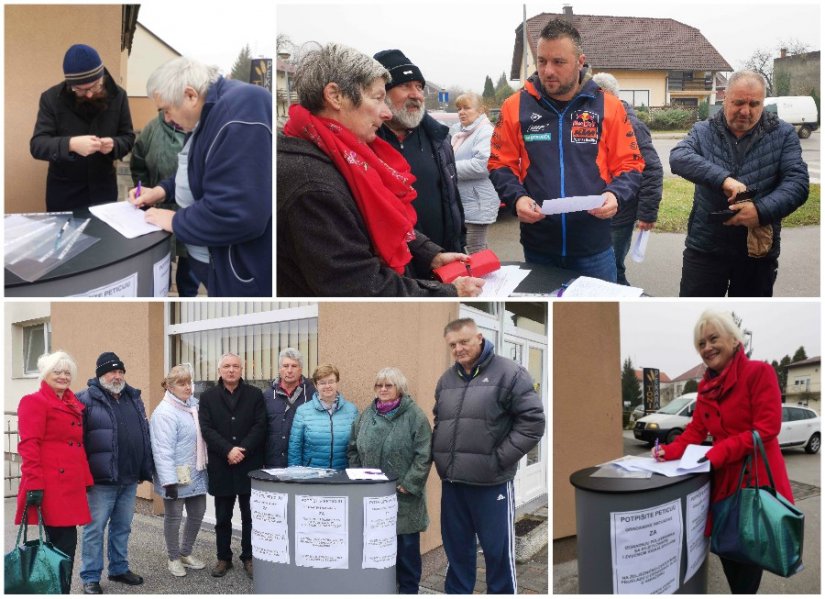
{"points": [[425, 144], [116, 437]]}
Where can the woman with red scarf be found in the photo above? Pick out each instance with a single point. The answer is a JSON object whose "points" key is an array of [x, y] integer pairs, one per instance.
{"points": [[736, 396], [345, 216], [55, 472]]}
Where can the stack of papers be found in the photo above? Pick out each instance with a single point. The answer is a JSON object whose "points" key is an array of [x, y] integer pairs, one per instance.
{"points": [[124, 218], [503, 282], [366, 474], [590, 287], [689, 464]]}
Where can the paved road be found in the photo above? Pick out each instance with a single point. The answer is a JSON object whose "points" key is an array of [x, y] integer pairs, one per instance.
{"points": [[660, 272], [664, 142]]}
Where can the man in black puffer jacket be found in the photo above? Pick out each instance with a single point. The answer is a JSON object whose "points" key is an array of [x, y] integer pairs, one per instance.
{"points": [[740, 149], [487, 417]]}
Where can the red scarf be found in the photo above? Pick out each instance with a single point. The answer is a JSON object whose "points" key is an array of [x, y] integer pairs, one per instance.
{"points": [[378, 176]]}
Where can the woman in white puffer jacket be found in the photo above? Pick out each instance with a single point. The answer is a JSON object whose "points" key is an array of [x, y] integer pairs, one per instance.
{"points": [[471, 144], [179, 453]]}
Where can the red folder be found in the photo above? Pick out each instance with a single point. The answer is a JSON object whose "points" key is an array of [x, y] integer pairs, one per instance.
{"points": [[480, 264]]}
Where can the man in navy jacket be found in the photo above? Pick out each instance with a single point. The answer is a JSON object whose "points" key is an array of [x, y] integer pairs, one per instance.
{"points": [[742, 148], [225, 183]]}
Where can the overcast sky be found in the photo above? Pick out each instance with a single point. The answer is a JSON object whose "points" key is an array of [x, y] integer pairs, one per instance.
{"points": [[659, 334], [214, 34], [459, 42]]}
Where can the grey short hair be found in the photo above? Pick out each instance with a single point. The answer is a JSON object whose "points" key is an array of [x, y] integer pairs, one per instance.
{"points": [[458, 324], [292, 354], [351, 69], [229, 354], [58, 360], [607, 82], [169, 80], [749, 75], [722, 320], [393, 375]]}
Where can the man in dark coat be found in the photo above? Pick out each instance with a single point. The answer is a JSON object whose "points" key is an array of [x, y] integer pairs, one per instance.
{"points": [[644, 206], [83, 126], [487, 417], [425, 143], [283, 397], [116, 437], [233, 423], [741, 149]]}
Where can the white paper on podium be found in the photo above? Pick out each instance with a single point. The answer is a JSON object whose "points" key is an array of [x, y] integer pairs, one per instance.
{"points": [[571, 204], [640, 246], [503, 282], [124, 218], [590, 287]]}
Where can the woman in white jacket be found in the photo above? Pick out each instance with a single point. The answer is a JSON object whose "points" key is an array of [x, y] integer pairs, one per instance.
{"points": [[471, 144], [179, 453]]}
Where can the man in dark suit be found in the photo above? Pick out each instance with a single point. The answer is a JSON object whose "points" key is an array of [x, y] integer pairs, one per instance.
{"points": [[233, 424]]}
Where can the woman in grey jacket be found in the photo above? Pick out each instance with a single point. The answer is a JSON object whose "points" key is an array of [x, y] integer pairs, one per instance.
{"points": [[471, 144], [180, 467], [393, 434]]}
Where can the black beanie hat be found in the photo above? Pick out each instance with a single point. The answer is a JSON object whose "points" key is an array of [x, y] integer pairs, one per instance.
{"points": [[400, 68], [107, 362], [82, 64]]}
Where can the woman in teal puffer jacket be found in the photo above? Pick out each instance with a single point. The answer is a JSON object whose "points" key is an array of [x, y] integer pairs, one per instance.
{"points": [[393, 434], [321, 429]]}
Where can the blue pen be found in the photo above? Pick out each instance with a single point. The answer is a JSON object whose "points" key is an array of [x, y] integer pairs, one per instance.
{"points": [[656, 450]]}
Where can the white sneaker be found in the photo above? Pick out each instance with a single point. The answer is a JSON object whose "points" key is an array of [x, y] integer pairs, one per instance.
{"points": [[190, 561], [176, 567]]}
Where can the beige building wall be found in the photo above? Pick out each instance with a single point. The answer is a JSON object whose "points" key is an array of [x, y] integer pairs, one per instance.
{"points": [[406, 335], [654, 81], [586, 398], [17, 384], [133, 330], [148, 53], [36, 39]]}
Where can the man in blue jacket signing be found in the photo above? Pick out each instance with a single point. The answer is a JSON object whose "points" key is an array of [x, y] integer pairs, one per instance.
{"points": [[224, 178]]}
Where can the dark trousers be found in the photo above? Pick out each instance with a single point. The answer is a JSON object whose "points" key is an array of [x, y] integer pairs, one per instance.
{"points": [[224, 506], [743, 579], [622, 235], [197, 270], [708, 275], [65, 539], [408, 563], [486, 512]]}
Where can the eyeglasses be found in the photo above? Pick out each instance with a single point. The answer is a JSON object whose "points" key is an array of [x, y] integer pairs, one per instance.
{"points": [[384, 385], [83, 91]]}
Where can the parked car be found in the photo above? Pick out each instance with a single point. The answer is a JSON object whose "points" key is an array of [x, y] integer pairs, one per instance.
{"points": [[799, 111], [637, 413], [800, 427], [445, 118], [668, 423]]}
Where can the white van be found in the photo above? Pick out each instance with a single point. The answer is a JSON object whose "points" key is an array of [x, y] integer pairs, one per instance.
{"points": [[799, 111], [668, 423]]}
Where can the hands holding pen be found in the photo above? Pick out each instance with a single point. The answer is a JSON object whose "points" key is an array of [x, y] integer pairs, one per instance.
{"points": [[142, 197], [658, 453]]}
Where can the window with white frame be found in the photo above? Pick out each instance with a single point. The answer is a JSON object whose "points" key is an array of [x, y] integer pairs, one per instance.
{"points": [[36, 342], [635, 97], [201, 332]]}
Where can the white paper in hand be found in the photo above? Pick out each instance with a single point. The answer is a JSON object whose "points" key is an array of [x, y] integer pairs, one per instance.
{"points": [[640, 246], [571, 204]]}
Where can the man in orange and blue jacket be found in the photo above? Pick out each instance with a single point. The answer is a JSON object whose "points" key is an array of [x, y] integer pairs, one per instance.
{"points": [[558, 137]]}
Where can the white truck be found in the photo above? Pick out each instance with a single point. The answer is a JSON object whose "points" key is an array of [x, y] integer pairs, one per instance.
{"points": [[799, 111]]}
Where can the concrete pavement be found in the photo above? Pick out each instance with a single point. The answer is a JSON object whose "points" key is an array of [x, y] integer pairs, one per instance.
{"points": [[147, 557]]}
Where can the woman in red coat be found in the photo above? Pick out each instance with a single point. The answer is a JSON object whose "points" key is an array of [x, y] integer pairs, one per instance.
{"points": [[736, 396], [55, 471]]}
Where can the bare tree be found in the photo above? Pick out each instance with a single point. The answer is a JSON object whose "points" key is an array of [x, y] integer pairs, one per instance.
{"points": [[762, 59]]}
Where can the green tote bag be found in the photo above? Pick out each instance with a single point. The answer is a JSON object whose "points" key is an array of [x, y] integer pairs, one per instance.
{"points": [[757, 525], [36, 566]]}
